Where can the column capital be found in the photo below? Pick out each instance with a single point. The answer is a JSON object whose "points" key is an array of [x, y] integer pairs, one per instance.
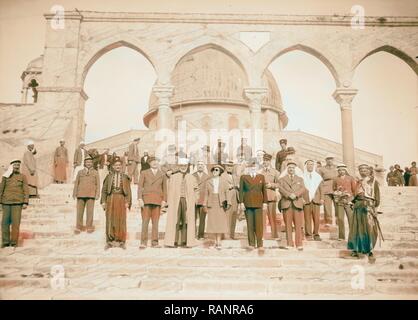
{"points": [[163, 91], [255, 96], [344, 97]]}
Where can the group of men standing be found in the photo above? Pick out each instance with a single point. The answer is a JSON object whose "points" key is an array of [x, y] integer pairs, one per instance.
{"points": [[214, 194], [397, 177]]}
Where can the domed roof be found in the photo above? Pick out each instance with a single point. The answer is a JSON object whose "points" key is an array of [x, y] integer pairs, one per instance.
{"points": [[213, 76]]}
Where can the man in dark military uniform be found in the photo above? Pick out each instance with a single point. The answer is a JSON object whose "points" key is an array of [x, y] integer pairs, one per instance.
{"points": [[14, 196], [282, 154]]}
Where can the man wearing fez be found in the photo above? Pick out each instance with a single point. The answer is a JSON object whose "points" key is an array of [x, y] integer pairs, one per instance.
{"points": [[365, 228], [282, 154], [200, 213], [152, 195], [314, 198], [181, 199], [292, 189], [14, 196], [271, 177], [116, 200], [60, 163], [344, 187], [244, 151], [29, 169], [133, 160], [328, 174], [86, 191], [253, 197]]}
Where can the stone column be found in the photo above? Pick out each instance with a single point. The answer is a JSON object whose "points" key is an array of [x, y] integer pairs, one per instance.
{"points": [[344, 97], [255, 97], [165, 117]]}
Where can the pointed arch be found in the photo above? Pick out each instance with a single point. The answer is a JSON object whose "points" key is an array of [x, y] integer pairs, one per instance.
{"points": [[392, 50], [307, 49], [121, 43]]}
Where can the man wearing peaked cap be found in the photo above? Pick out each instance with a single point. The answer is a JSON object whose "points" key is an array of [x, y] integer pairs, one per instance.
{"points": [[271, 177], [14, 196], [283, 154], [232, 178], [86, 191]]}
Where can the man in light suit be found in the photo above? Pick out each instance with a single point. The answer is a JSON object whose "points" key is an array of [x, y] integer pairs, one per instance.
{"points": [[292, 189], [152, 195], [201, 178], [233, 196], [133, 160], [253, 196]]}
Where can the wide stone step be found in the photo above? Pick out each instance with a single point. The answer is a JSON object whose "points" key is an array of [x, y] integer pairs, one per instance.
{"points": [[238, 288]]}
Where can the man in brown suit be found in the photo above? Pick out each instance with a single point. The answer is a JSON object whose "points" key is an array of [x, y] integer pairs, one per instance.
{"points": [[14, 196], [233, 180], [253, 196], [133, 160], [201, 178], [292, 189], [60, 163], [152, 195], [328, 174], [344, 187], [86, 191], [272, 183]]}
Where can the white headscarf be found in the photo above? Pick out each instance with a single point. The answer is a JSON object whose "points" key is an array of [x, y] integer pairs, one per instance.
{"points": [[313, 183], [9, 170]]}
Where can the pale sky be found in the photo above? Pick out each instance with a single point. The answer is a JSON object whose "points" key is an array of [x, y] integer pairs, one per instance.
{"points": [[385, 113]]}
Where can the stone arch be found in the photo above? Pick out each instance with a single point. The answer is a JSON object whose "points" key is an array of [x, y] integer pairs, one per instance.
{"points": [[271, 52], [87, 63], [229, 50], [407, 58]]}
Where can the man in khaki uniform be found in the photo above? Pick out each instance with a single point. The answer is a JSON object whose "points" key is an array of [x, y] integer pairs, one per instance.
{"points": [[86, 191], [272, 183], [283, 154], [14, 196], [328, 174], [133, 161]]}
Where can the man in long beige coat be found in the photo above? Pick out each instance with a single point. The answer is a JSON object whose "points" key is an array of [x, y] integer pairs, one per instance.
{"points": [[232, 179], [181, 198], [29, 169]]}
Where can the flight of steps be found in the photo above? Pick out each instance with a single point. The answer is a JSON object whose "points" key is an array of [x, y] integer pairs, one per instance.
{"points": [[322, 271]]}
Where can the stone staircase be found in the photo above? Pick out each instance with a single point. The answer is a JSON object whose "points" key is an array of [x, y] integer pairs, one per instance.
{"points": [[53, 263]]}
